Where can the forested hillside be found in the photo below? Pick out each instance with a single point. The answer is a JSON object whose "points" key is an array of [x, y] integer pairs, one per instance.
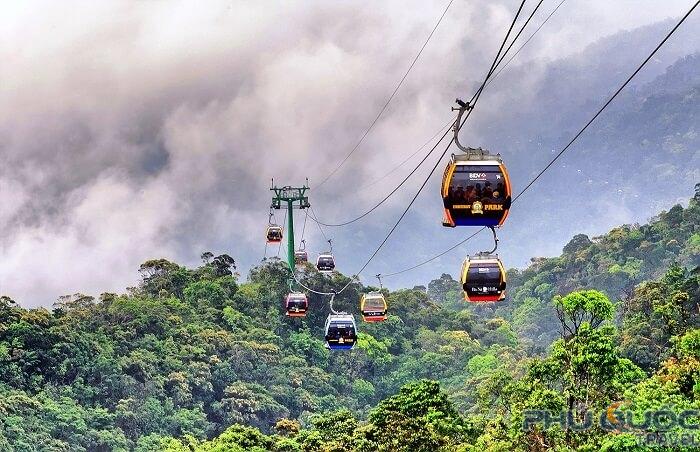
{"points": [[199, 359]]}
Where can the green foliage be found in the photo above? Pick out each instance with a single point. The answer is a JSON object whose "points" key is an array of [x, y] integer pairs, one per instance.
{"points": [[614, 263], [191, 360]]}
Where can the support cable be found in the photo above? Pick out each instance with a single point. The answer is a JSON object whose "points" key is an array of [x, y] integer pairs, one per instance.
{"points": [[475, 99], [376, 206], [497, 61], [386, 104], [605, 105]]}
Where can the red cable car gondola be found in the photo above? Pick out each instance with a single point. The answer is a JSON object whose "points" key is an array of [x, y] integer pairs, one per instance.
{"points": [[274, 233], [296, 304]]}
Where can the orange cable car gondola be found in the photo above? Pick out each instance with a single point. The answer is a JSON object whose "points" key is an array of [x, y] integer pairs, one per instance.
{"points": [[475, 191], [475, 187], [296, 304]]}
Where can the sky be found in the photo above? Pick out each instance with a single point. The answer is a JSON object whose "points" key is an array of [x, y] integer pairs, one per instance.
{"points": [[139, 130]]}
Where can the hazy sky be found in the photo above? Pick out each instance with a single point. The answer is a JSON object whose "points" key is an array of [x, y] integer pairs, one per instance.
{"points": [[135, 130]]}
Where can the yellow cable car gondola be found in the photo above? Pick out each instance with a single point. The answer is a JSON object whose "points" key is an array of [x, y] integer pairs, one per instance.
{"points": [[373, 307], [483, 278]]}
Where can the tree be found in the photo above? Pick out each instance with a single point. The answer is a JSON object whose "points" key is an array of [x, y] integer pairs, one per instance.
{"points": [[578, 308], [418, 418], [206, 257]]}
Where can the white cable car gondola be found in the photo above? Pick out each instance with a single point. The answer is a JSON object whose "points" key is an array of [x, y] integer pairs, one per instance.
{"points": [[341, 331], [325, 263]]}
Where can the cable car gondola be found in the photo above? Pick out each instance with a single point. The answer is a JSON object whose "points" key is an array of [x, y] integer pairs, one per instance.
{"points": [[475, 186], [373, 307], [300, 256], [296, 304], [325, 263], [483, 279], [341, 331], [475, 190], [274, 233]]}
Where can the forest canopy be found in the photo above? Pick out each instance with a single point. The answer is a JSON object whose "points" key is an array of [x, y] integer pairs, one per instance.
{"points": [[198, 359]]}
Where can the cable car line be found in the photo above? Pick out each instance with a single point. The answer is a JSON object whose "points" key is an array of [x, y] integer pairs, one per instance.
{"points": [[452, 248], [605, 105], [279, 247], [609, 101], [386, 104], [525, 43], [495, 241], [475, 99], [313, 217], [303, 229], [345, 223], [375, 182], [391, 231], [487, 84], [476, 95], [522, 28], [500, 55]]}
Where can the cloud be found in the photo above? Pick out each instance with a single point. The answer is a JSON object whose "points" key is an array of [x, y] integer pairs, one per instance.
{"points": [[151, 129]]}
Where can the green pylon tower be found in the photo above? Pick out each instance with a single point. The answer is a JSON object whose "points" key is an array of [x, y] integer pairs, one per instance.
{"points": [[287, 196]]}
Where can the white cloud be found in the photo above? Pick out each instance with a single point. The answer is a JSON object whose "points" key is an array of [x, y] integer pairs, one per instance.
{"points": [[132, 130]]}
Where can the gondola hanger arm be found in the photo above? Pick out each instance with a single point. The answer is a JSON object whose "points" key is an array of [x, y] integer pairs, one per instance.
{"points": [[463, 107], [330, 303], [495, 242]]}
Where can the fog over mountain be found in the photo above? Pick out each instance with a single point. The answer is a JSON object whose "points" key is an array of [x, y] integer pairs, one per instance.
{"points": [[134, 131]]}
